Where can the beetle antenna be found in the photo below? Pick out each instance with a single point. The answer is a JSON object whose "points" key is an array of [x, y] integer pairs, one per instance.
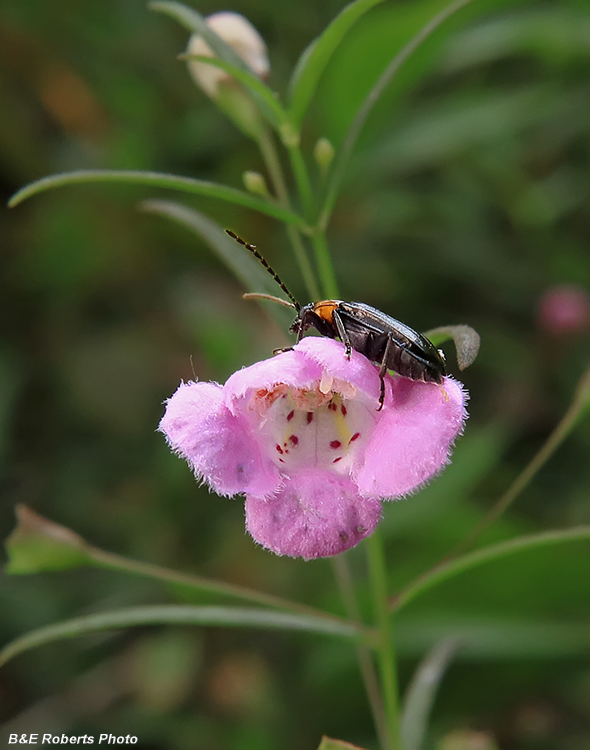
{"points": [[272, 272], [270, 297]]}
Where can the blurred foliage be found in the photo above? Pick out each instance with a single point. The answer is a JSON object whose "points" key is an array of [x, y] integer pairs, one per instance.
{"points": [[466, 202]]}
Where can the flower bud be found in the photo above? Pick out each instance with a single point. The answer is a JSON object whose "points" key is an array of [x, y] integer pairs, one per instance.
{"points": [[323, 154], [255, 183], [237, 32]]}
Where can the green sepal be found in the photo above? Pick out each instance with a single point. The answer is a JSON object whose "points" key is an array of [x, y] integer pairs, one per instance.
{"points": [[38, 544], [465, 338]]}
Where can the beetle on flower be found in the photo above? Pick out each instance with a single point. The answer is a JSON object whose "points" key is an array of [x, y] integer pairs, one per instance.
{"points": [[301, 437]]}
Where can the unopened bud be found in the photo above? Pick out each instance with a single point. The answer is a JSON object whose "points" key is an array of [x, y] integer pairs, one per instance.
{"points": [[237, 32], [323, 153], [255, 184]]}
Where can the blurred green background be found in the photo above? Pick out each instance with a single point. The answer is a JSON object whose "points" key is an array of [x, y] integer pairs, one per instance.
{"points": [[467, 201]]}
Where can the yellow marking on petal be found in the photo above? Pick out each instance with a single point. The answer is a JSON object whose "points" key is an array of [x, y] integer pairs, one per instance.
{"points": [[342, 430]]}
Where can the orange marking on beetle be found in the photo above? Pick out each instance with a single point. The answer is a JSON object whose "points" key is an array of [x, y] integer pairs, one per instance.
{"points": [[325, 309]]}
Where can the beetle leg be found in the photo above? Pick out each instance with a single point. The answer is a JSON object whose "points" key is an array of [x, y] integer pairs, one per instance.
{"points": [[282, 349], [342, 333], [382, 371]]}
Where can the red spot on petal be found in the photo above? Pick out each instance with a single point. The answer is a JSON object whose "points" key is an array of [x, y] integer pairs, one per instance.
{"points": [[309, 416], [294, 439], [332, 406], [278, 447], [335, 444], [290, 415], [343, 409], [355, 436], [335, 461]]}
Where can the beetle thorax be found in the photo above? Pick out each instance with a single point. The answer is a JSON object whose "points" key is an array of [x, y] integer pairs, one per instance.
{"points": [[325, 309]]}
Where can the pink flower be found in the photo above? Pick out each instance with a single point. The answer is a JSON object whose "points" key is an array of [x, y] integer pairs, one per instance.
{"points": [[301, 436], [564, 309]]}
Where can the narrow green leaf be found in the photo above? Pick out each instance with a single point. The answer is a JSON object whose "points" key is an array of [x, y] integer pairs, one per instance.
{"points": [[272, 109], [316, 56], [239, 261], [465, 338], [197, 24], [445, 571], [175, 615], [38, 544], [344, 153], [578, 408], [157, 179], [421, 693], [489, 638]]}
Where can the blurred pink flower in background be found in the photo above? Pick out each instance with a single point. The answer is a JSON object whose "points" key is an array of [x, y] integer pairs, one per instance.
{"points": [[564, 309], [301, 436]]}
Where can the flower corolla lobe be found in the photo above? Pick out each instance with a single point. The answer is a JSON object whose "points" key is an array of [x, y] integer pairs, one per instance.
{"points": [[302, 437]]}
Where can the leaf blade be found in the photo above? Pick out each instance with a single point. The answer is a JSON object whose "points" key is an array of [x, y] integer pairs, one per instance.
{"points": [[445, 571], [174, 615], [156, 179], [316, 56], [240, 263], [344, 153], [421, 693]]}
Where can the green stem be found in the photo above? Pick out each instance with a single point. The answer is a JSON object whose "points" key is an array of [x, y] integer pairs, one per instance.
{"points": [[117, 562], [302, 180], [385, 650], [365, 660], [325, 266], [275, 171]]}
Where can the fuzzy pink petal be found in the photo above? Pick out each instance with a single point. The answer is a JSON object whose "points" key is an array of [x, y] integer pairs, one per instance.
{"points": [[413, 439], [331, 356], [200, 428], [317, 514], [289, 368]]}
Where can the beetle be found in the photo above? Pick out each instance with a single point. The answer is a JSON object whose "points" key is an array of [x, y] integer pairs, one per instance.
{"points": [[382, 339]]}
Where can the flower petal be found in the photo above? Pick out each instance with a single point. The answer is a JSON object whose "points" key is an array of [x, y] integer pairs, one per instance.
{"points": [[413, 439], [200, 428], [317, 514], [357, 371], [289, 368]]}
